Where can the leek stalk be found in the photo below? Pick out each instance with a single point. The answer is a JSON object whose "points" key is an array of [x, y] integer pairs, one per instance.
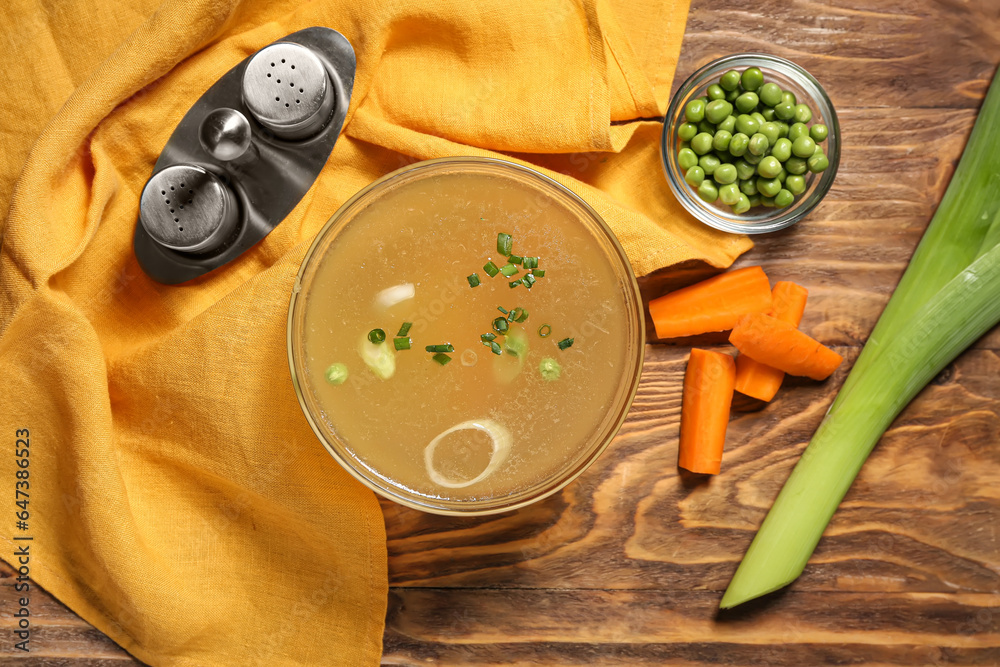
{"points": [[948, 297]]}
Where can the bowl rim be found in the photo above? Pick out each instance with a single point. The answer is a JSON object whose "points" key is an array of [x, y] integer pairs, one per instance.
{"points": [[634, 307], [716, 219]]}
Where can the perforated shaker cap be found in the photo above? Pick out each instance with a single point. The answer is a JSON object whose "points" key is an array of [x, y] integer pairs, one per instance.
{"points": [[287, 89], [188, 208]]}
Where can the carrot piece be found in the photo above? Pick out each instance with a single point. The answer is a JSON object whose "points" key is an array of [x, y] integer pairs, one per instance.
{"points": [[711, 305], [781, 345], [708, 394], [760, 380]]}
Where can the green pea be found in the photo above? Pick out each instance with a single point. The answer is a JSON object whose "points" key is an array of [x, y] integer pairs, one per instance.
{"points": [[818, 149], [770, 94], [751, 158], [715, 92], [695, 175], [695, 110], [716, 111], [767, 202], [747, 125], [752, 78], [725, 174], [732, 95], [723, 156], [758, 117], [769, 167], [709, 163], [749, 186], [788, 97], [797, 130], [730, 80], [770, 130], [817, 163], [768, 186], [729, 124], [742, 205], [705, 126], [702, 143], [686, 131], [729, 194], [721, 140], [768, 114], [782, 175], [754, 200], [782, 149], [795, 184], [783, 198], [782, 128], [738, 144], [804, 146], [707, 191], [744, 170], [818, 132], [747, 102], [687, 158], [803, 114], [784, 111], [796, 165], [758, 145]]}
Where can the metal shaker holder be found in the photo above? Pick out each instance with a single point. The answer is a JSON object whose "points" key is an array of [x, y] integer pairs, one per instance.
{"points": [[244, 155]]}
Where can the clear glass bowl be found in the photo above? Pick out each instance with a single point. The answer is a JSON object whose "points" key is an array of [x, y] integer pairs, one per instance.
{"points": [[759, 219], [545, 192]]}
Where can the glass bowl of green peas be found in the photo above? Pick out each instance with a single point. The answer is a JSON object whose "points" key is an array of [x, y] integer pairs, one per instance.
{"points": [[750, 143]]}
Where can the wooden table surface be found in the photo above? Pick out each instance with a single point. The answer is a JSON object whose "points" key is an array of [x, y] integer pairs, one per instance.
{"points": [[627, 565]]}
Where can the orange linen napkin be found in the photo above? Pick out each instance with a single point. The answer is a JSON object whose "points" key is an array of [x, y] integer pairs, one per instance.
{"points": [[178, 499]]}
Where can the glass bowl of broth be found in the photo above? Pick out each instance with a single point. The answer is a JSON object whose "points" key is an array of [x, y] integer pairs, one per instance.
{"points": [[465, 336]]}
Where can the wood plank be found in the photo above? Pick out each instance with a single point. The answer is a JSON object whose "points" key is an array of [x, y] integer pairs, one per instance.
{"points": [[910, 53], [923, 517], [58, 636], [494, 627]]}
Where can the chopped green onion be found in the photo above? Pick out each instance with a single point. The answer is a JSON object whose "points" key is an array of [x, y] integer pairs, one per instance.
{"points": [[502, 310], [550, 369], [491, 269], [522, 316], [402, 343], [528, 280], [538, 273], [515, 283], [495, 347], [544, 330], [508, 270], [530, 262], [504, 244], [405, 329], [487, 337], [376, 336], [473, 280], [441, 358], [515, 259], [336, 374], [565, 342], [500, 325], [446, 347]]}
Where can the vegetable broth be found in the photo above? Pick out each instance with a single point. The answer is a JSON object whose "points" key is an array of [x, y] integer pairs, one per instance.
{"points": [[431, 234]]}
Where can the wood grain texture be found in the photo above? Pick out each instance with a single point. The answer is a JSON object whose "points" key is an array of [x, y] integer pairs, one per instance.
{"points": [[627, 565]]}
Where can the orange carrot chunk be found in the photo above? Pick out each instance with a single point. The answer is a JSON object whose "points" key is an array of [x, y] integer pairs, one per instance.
{"points": [[760, 380], [708, 393], [711, 305], [779, 344]]}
